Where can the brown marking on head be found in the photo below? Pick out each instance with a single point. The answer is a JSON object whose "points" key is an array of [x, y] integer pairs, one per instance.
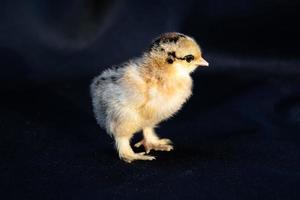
{"points": [[171, 37]]}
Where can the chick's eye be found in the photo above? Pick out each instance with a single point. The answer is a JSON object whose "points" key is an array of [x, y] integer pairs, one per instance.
{"points": [[189, 58]]}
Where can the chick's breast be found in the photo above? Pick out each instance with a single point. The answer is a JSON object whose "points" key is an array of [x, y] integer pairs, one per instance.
{"points": [[163, 101]]}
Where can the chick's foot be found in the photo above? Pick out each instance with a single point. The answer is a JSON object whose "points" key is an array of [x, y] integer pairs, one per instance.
{"points": [[136, 156], [157, 145]]}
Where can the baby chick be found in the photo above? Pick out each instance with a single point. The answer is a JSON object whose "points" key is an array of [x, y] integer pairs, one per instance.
{"points": [[145, 91]]}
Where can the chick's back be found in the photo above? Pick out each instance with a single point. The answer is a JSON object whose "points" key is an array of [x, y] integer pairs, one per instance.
{"points": [[116, 93]]}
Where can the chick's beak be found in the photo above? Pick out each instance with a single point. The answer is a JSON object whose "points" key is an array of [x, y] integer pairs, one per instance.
{"points": [[203, 63]]}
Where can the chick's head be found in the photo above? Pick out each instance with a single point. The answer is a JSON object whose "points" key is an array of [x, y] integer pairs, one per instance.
{"points": [[177, 51]]}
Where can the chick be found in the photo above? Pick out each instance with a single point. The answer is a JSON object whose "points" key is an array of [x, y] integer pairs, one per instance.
{"points": [[141, 93]]}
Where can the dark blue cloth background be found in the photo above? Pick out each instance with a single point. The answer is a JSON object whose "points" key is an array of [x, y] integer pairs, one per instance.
{"points": [[237, 138]]}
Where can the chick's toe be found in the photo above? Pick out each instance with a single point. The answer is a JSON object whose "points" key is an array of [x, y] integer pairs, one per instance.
{"points": [[136, 156], [157, 145]]}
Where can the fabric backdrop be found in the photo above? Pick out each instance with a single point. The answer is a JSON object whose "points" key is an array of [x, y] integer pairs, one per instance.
{"points": [[236, 138]]}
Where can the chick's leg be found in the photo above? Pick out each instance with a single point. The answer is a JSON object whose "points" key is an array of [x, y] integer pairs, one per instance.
{"points": [[152, 142], [126, 153]]}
